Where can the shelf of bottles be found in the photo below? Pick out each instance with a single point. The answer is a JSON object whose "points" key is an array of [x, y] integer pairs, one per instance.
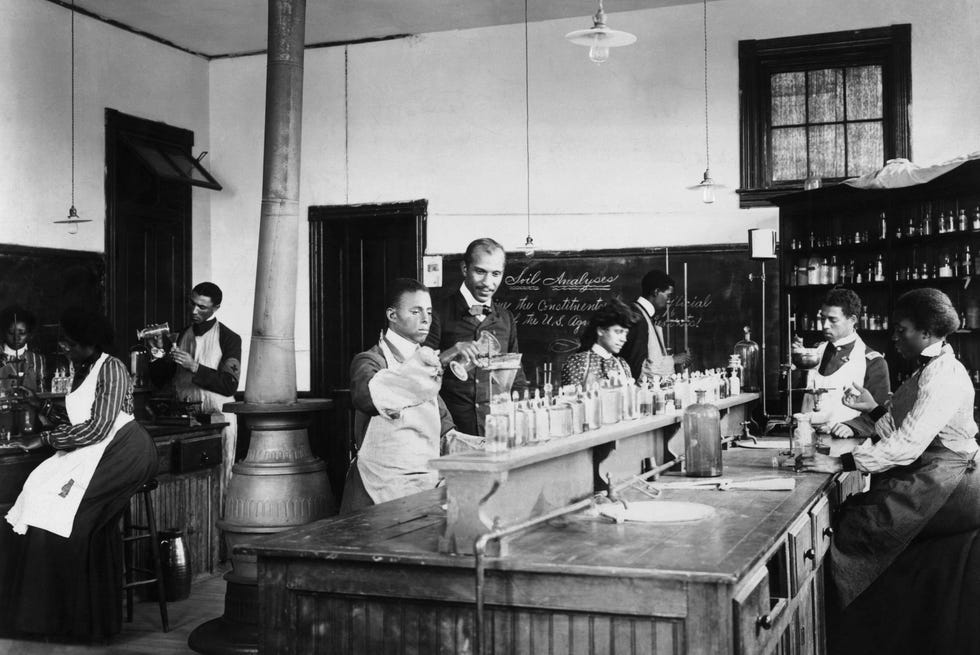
{"points": [[881, 243]]}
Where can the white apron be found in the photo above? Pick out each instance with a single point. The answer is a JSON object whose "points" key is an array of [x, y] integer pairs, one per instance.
{"points": [[832, 408], [394, 458], [54, 490], [206, 351], [658, 361]]}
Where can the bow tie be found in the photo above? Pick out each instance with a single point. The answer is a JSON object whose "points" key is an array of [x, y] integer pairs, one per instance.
{"points": [[924, 359], [479, 310]]}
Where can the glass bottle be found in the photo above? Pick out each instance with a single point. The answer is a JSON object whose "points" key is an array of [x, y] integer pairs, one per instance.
{"points": [[748, 352], [879, 269], [803, 441], [702, 439], [961, 220], [976, 220], [834, 271], [883, 233]]}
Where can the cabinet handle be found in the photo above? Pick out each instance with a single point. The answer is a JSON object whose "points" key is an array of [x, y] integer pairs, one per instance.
{"points": [[204, 458], [828, 532], [810, 554], [765, 622]]}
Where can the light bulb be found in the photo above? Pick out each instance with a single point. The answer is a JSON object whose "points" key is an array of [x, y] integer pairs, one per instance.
{"points": [[72, 227], [529, 247], [708, 193], [598, 52]]}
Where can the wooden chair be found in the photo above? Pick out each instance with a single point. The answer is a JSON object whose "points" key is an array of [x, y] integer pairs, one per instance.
{"points": [[137, 576]]}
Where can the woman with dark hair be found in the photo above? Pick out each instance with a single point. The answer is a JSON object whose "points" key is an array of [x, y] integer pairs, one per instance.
{"points": [[61, 554], [902, 550], [19, 365], [598, 355]]}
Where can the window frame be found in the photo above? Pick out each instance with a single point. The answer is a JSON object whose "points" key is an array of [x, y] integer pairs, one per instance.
{"points": [[888, 47]]}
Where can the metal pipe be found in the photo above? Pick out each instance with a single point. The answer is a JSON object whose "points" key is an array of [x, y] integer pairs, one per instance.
{"points": [[765, 411], [481, 542], [687, 318]]}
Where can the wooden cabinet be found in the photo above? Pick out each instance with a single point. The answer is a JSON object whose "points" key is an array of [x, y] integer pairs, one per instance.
{"points": [[881, 243]]}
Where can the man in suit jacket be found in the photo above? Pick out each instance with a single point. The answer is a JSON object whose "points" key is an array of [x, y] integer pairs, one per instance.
{"points": [[645, 349], [461, 318], [845, 360], [400, 423]]}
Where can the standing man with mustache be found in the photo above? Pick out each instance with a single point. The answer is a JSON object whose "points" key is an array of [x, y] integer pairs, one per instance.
{"points": [[845, 360], [460, 319]]}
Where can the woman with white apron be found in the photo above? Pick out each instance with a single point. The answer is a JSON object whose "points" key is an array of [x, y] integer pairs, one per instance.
{"points": [[921, 514], [60, 546]]}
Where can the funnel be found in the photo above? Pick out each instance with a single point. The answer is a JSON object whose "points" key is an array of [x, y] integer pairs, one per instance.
{"points": [[503, 369]]}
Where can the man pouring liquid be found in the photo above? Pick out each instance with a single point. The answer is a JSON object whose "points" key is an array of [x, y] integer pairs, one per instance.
{"points": [[845, 360]]}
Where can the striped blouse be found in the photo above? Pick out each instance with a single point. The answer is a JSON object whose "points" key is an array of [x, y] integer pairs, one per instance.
{"points": [[113, 394]]}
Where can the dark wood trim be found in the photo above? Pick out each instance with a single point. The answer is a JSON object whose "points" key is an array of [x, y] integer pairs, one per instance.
{"points": [[888, 46]]}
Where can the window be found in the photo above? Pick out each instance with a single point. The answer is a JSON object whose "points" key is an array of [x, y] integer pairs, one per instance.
{"points": [[828, 106]]}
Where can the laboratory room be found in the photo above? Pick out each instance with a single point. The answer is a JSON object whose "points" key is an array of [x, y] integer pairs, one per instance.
{"points": [[537, 326]]}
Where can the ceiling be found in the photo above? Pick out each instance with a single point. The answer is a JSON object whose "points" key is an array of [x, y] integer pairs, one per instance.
{"points": [[216, 28]]}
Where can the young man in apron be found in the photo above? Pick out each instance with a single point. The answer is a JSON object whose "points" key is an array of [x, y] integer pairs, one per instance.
{"points": [[923, 485], [645, 349], [845, 360], [204, 367], [400, 421]]}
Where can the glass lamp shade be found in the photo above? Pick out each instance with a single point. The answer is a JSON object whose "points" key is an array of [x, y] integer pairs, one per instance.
{"points": [[598, 39], [73, 220], [707, 187]]}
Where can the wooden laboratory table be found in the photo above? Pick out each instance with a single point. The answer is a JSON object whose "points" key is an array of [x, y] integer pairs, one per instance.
{"points": [[747, 580]]}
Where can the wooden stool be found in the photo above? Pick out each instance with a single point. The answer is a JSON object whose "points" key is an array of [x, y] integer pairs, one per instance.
{"points": [[136, 576]]}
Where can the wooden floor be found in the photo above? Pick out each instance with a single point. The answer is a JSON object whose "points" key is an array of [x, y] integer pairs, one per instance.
{"points": [[144, 634]]}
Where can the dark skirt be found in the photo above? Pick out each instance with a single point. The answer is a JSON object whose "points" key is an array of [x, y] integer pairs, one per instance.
{"points": [[905, 560], [72, 588]]}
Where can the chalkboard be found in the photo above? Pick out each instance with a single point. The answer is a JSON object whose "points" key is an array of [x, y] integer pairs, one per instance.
{"points": [[553, 295], [46, 281]]}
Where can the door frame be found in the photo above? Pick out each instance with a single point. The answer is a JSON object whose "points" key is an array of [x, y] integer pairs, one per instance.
{"points": [[416, 209]]}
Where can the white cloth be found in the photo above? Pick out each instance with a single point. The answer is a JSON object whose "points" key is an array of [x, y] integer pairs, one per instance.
{"points": [[54, 490], [832, 408], [206, 350], [901, 173], [658, 362], [400, 441]]}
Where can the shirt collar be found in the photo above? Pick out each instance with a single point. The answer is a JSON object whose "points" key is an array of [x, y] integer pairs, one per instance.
{"points": [[468, 297], [405, 347], [646, 305], [932, 350], [601, 352], [202, 328], [10, 352], [843, 341]]}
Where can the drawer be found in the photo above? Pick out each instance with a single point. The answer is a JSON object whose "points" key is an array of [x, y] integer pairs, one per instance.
{"points": [[802, 553], [760, 608], [196, 453], [820, 520], [848, 484]]}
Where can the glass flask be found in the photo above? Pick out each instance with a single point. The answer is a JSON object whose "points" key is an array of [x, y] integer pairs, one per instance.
{"points": [[748, 351], [702, 439]]}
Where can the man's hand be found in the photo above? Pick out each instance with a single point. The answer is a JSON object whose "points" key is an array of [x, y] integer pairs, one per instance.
{"points": [[184, 360], [842, 431], [28, 445], [682, 359], [859, 398], [467, 349], [821, 463], [797, 344], [29, 396]]}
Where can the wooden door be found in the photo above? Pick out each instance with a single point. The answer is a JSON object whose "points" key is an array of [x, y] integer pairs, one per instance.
{"points": [[355, 252], [148, 224]]}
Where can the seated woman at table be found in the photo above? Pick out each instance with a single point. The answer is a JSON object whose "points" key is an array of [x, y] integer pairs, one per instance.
{"points": [[598, 357], [60, 546], [19, 365], [906, 549]]}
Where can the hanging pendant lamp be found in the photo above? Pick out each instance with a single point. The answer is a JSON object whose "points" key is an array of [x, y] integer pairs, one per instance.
{"points": [[599, 38], [73, 218], [707, 185]]}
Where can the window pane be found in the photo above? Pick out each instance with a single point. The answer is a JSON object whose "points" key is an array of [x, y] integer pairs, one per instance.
{"points": [[864, 149], [788, 95], [788, 154], [826, 95], [863, 92], [827, 151]]}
